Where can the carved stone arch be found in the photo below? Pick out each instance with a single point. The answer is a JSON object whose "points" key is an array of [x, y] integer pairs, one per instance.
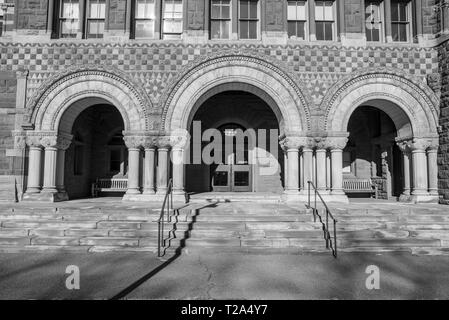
{"points": [[57, 95], [414, 106], [246, 69]]}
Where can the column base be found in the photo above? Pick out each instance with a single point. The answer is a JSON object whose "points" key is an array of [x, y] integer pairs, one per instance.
{"points": [[405, 197], [46, 196], [179, 198], [424, 198]]}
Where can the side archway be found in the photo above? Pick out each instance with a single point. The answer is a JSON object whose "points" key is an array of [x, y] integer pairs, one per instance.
{"points": [[245, 71], [415, 111]]}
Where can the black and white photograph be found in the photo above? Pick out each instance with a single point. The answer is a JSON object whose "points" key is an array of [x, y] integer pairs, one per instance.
{"points": [[214, 152]]}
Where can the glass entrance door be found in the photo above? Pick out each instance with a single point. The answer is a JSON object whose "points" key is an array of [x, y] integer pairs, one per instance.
{"points": [[234, 174]]}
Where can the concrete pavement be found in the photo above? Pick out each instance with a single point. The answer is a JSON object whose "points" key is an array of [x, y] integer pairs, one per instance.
{"points": [[211, 275]]}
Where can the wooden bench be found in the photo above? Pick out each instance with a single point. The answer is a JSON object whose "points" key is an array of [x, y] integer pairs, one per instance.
{"points": [[359, 185], [109, 185]]}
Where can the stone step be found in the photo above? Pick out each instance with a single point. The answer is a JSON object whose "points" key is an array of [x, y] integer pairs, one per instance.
{"points": [[255, 218], [111, 241], [15, 232], [405, 242], [14, 240], [55, 241], [48, 224]]}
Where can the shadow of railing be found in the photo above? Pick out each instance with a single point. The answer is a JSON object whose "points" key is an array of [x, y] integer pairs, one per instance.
{"points": [[177, 253]]}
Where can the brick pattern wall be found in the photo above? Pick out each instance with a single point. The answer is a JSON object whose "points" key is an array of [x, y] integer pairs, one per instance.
{"points": [[8, 84], [430, 19]]}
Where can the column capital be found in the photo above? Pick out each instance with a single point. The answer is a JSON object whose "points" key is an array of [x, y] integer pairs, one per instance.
{"points": [[419, 144], [20, 139], [292, 142], [63, 142], [150, 142], [22, 74], [164, 142], [403, 146], [134, 141], [336, 143]]}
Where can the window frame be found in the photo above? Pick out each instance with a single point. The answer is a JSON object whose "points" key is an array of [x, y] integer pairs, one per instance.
{"points": [[211, 19], [61, 19], [87, 19], [135, 19], [408, 22], [239, 20], [163, 19], [306, 21], [381, 20], [333, 21]]}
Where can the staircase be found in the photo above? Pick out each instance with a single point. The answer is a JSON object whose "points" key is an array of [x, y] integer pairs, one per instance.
{"points": [[223, 226]]}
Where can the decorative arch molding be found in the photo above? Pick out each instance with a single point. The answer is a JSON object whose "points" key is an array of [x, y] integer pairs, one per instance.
{"points": [[236, 66], [415, 101], [47, 105]]}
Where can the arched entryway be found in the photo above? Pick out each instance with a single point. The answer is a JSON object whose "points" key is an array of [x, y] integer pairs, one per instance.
{"points": [[247, 134], [97, 152]]}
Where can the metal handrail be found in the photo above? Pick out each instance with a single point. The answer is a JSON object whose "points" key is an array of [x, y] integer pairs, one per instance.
{"points": [[330, 244], [167, 205]]}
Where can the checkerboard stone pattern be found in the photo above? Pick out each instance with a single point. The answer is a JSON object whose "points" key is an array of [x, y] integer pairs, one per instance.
{"points": [[154, 65]]}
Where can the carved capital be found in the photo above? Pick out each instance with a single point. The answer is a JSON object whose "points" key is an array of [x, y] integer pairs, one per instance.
{"points": [[63, 142], [164, 142], [134, 142], [150, 142], [291, 142], [419, 144], [336, 143], [404, 146], [22, 74], [19, 139]]}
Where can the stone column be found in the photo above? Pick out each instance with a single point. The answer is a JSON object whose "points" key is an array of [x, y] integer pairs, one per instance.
{"points": [[406, 166], [337, 145], [51, 151], [432, 167], [328, 170], [291, 146], [162, 165], [63, 145], [418, 15], [178, 144], [133, 143], [34, 165], [321, 169], [149, 167], [419, 164], [307, 154]]}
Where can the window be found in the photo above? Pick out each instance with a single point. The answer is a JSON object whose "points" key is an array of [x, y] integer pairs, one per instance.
{"points": [[400, 20], [172, 19], [347, 161], [248, 19], [324, 20], [95, 18], [220, 19], [78, 163], [69, 18], [115, 160], [144, 18], [373, 20], [1, 17], [296, 16]]}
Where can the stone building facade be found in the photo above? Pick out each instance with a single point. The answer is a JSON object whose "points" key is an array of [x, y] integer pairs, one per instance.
{"points": [[108, 89]]}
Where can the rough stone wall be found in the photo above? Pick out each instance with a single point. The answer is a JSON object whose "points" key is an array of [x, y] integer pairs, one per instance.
{"points": [[443, 154]]}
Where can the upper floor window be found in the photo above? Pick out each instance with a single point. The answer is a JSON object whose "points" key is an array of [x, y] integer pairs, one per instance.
{"points": [[144, 15], [400, 20], [172, 19], [373, 20], [249, 19], [297, 19], [220, 19], [325, 20], [95, 18], [69, 14]]}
